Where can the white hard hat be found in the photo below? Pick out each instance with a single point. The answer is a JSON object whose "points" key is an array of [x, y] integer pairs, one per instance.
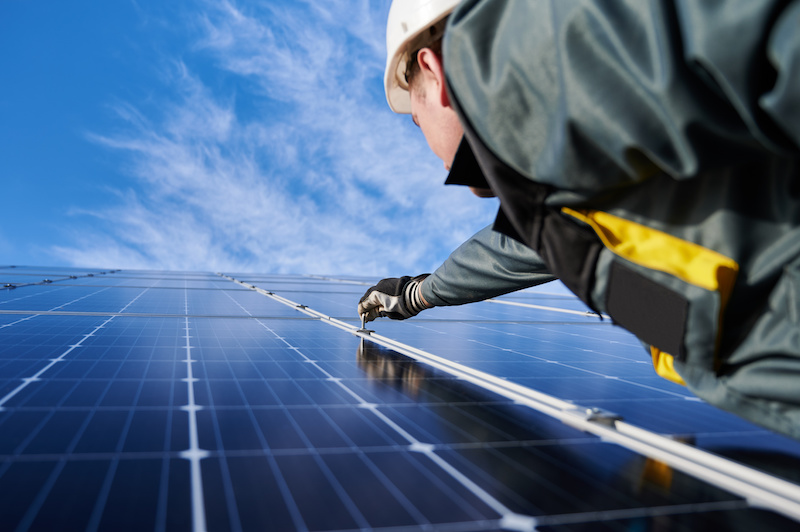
{"points": [[407, 20]]}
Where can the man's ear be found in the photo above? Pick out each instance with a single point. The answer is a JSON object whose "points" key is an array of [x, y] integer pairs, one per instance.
{"points": [[431, 66]]}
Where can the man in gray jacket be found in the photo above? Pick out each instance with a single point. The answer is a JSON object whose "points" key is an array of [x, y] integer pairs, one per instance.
{"points": [[649, 152]]}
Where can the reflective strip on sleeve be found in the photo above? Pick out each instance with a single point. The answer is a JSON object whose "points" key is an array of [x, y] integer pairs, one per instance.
{"points": [[663, 364], [657, 250]]}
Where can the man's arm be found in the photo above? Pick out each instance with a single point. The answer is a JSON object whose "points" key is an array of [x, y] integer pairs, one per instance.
{"points": [[489, 264]]}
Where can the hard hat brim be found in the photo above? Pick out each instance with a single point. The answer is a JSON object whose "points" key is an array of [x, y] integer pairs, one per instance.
{"points": [[398, 98]]}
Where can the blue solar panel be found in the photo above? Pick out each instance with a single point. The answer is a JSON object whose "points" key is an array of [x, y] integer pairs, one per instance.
{"points": [[150, 400]]}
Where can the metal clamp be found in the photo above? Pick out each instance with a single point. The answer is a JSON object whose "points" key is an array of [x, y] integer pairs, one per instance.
{"points": [[601, 416], [363, 328]]}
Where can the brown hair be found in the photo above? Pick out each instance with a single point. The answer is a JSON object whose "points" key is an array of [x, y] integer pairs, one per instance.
{"points": [[430, 38]]}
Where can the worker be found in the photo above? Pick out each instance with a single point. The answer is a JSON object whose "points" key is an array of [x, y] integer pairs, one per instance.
{"points": [[649, 152]]}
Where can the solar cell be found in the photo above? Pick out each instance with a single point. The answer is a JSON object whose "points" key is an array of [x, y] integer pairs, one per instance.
{"points": [[181, 400]]}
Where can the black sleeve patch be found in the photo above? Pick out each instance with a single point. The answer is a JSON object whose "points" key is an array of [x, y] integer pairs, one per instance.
{"points": [[654, 313]]}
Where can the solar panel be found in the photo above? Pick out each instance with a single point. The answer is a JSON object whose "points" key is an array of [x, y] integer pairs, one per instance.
{"points": [[147, 400]]}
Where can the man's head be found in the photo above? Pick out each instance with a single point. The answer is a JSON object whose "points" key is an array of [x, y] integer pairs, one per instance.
{"points": [[414, 78], [412, 25]]}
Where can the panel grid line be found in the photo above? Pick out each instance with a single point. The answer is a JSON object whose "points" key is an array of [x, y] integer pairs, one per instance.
{"points": [[588, 371], [341, 492], [194, 453], [294, 511], [35, 377]]}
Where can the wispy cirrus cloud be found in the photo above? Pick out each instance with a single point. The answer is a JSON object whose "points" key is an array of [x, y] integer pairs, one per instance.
{"points": [[276, 152]]}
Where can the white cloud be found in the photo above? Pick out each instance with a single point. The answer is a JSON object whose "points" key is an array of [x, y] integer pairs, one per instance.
{"points": [[300, 167]]}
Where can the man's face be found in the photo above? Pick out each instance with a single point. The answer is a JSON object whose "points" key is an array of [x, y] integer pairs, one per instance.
{"points": [[439, 123]]}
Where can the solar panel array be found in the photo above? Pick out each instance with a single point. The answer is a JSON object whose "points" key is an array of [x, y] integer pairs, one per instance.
{"points": [[147, 400]]}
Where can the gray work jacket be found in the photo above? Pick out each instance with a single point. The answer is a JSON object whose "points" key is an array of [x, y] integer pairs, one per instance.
{"points": [[649, 152]]}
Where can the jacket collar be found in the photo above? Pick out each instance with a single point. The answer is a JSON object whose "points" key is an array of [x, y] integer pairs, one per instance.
{"points": [[465, 170]]}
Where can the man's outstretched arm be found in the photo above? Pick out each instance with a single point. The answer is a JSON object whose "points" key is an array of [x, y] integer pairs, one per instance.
{"points": [[487, 265]]}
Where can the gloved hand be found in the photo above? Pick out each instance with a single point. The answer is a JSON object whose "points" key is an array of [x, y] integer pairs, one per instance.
{"points": [[395, 298]]}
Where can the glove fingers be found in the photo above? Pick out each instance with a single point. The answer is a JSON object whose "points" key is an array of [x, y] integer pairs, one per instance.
{"points": [[372, 314], [370, 307], [378, 304], [373, 305], [395, 298]]}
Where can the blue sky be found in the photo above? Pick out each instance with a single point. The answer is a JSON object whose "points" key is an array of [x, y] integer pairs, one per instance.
{"points": [[220, 135]]}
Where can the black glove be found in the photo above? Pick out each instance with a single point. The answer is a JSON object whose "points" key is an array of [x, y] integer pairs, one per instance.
{"points": [[395, 298]]}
